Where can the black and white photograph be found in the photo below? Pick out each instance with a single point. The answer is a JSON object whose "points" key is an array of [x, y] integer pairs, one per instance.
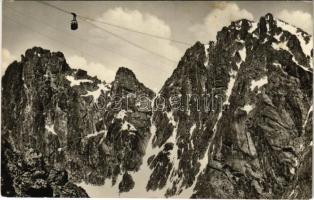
{"points": [[157, 99]]}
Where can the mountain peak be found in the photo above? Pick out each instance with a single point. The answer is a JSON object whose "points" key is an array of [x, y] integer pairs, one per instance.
{"points": [[125, 79], [41, 52], [42, 60], [269, 17], [124, 72]]}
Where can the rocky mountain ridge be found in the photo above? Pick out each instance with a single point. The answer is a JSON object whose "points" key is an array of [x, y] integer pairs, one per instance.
{"points": [[70, 118], [237, 121]]}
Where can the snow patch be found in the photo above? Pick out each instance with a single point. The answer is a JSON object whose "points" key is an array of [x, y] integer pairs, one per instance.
{"points": [[277, 37], [51, 129], [292, 170], [242, 53], [230, 86], [292, 192], [259, 83], [126, 126], [171, 118], [277, 64], [142, 176], [206, 46], [121, 114], [95, 134], [267, 27], [253, 27], [173, 154], [192, 129], [103, 137], [296, 62], [248, 108], [281, 45], [251, 145], [307, 116], [97, 93], [74, 82]]}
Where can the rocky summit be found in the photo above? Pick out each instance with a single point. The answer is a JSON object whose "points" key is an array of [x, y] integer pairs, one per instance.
{"points": [[234, 120]]}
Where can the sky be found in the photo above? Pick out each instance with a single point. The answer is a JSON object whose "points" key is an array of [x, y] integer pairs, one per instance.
{"points": [[30, 23]]}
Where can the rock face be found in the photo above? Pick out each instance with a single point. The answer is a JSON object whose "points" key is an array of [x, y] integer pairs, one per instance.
{"points": [[232, 121], [26, 175], [259, 143], [92, 129]]}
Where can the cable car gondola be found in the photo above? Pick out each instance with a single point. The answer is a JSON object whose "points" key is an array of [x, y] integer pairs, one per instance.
{"points": [[74, 24]]}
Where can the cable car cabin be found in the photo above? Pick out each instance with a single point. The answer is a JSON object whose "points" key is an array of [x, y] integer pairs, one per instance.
{"points": [[74, 24]]}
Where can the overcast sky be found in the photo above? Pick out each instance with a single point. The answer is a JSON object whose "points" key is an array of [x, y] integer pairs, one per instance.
{"points": [[28, 24]]}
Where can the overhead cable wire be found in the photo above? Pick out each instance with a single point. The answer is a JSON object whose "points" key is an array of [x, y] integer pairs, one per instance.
{"points": [[132, 43], [81, 38], [118, 26], [113, 34], [51, 38], [55, 7], [43, 35], [135, 31]]}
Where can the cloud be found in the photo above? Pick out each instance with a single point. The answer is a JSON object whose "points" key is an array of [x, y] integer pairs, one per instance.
{"points": [[143, 22], [137, 20], [222, 15], [297, 18], [144, 64], [7, 59], [93, 69]]}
